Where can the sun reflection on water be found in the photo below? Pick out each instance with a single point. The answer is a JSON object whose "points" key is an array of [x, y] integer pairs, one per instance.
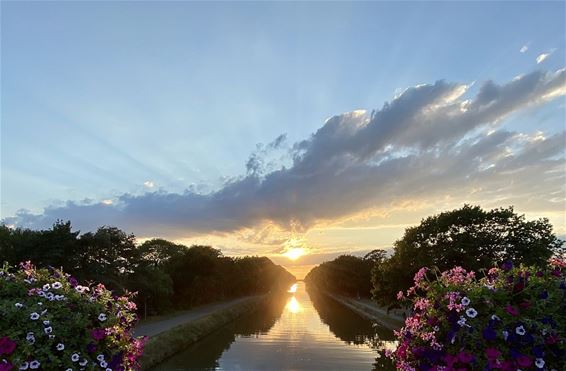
{"points": [[293, 305]]}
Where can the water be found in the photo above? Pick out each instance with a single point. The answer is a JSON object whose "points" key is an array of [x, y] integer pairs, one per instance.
{"points": [[298, 331]]}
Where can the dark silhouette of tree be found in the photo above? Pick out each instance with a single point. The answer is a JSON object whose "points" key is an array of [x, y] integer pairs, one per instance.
{"points": [[469, 237]]}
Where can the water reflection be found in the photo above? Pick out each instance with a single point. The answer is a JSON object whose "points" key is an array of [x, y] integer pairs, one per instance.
{"points": [[294, 331]]}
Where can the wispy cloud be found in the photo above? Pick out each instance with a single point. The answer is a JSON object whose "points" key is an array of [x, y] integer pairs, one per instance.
{"points": [[428, 143], [524, 48], [148, 184], [542, 57]]}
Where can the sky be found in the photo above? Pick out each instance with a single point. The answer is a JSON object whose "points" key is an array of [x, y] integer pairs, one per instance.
{"points": [[263, 128]]}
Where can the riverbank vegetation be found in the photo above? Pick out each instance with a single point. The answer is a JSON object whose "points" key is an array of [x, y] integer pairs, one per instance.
{"points": [[165, 275]]}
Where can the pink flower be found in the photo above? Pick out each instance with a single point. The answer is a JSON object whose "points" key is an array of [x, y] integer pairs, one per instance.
{"points": [[512, 310], [524, 361], [400, 295], [6, 366], [492, 353], [7, 346], [98, 334], [420, 275], [465, 357]]}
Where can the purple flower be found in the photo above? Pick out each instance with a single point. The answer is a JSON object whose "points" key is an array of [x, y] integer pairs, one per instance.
{"points": [[7, 346], [98, 334], [507, 265], [489, 334]]}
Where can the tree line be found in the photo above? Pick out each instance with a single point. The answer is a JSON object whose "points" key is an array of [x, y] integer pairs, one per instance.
{"points": [[167, 276], [470, 237]]}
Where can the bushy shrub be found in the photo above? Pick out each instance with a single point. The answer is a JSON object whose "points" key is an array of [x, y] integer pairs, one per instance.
{"points": [[510, 319], [51, 322]]}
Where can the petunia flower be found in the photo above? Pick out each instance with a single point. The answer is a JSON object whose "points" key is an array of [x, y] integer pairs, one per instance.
{"points": [[539, 362], [520, 330], [471, 312], [34, 365], [34, 316]]}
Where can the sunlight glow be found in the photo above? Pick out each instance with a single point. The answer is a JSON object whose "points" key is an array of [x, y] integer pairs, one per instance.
{"points": [[293, 305], [293, 289], [294, 253]]}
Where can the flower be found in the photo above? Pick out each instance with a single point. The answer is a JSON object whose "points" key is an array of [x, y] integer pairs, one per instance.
{"points": [[520, 330], [46, 287], [75, 357], [19, 305], [7, 345], [524, 361], [102, 317], [103, 364], [34, 365], [56, 285], [34, 316], [84, 362], [539, 362], [24, 366], [471, 312], [60, 346], [512, 310], [98, 334], [507, 265], [100, 357], [465, 301], [492, 353], [48, 330]]}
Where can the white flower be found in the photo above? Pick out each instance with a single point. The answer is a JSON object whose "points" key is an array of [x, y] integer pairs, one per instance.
{"points": [[471, 312], [19, 305], [462, 321], [56, 285], [84, 362], [34, 316], [520, 330], [51, 336], [59, 297], [69, 369], [24, 366], [34, 364], [495, 317], [102, 317], [505, 334], [539, 362], [39, 303], [46, 323], [465, 301], [50, 296], [103, 364], [48, 330], [75, 357], [46, 287], [100, 357], [60, 346], [544, 332], [41, 294]]}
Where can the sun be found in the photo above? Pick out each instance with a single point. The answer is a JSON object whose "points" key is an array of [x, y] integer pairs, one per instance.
{"points": [[295, 253]]}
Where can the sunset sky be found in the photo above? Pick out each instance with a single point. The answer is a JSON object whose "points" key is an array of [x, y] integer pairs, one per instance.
{"points": [[263, 128]]}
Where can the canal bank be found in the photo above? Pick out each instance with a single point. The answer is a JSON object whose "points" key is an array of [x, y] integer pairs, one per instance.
{"points": [[172, 335], [368, 309]]}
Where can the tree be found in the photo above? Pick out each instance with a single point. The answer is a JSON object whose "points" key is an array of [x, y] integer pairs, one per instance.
{"points": [[469, 237]]}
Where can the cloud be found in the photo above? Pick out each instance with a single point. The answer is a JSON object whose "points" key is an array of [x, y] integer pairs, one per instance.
{"points": [[428, 143], [524, 48], [148, 184], [541, 58]]}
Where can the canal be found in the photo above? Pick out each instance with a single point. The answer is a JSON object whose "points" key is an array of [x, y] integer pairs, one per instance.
{"points": [[302, 330]]}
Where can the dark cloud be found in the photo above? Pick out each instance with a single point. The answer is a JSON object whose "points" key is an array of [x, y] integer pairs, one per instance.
{"points": [[428, 142]]}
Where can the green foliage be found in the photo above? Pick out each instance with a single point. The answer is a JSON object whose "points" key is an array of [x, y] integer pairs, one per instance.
{"points": [[346, 275], [469, 237], [165, 275]]}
